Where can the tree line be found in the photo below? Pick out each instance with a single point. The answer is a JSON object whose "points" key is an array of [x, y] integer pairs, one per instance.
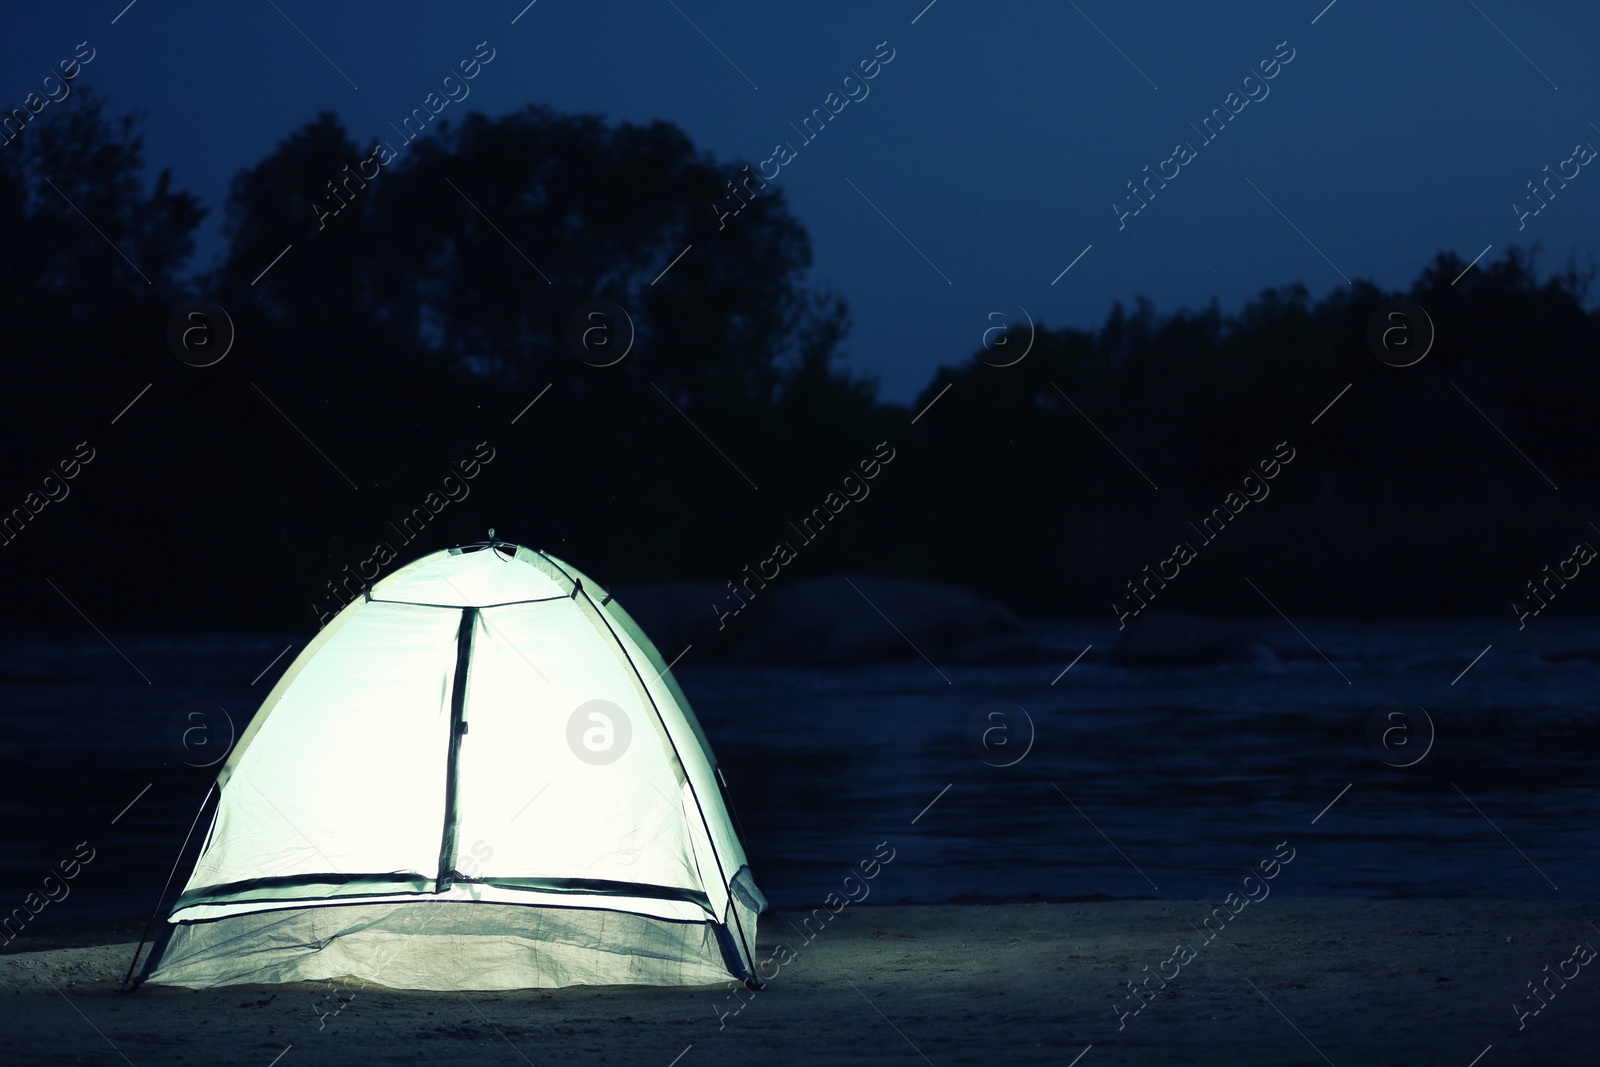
{"points": [[479, 293]]}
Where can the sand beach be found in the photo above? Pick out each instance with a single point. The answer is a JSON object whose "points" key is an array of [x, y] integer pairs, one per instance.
{"points": [[1301, 981]]}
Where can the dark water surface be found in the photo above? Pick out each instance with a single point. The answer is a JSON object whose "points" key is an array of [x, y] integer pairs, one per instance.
{"points": [[1137, 783]]}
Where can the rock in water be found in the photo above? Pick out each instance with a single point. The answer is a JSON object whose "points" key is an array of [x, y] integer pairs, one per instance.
{"points": [[677, 614], [1171, 639], [857, 619]]}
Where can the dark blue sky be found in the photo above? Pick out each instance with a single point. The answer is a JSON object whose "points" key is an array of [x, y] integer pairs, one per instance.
{"points": [[988, 153]]}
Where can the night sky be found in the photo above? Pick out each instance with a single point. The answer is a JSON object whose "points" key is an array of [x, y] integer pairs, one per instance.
{"points": [[982, 160]]}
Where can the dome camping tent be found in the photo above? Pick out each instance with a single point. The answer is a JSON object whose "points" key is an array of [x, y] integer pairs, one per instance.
{"points": [[479, 775]]}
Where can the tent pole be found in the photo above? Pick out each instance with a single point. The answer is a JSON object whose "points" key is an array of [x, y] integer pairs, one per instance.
{"points": [[754, 980], [727, 800], [127, 982]]}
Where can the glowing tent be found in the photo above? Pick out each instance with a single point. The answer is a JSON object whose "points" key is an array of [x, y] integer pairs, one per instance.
{"points": [[479, 775]]}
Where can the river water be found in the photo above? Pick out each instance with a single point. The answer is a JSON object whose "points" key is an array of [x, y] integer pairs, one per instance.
{"points": [[997, 782]]}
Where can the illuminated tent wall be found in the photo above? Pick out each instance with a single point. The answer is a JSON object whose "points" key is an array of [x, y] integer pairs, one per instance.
{"points": [[427, 800]]}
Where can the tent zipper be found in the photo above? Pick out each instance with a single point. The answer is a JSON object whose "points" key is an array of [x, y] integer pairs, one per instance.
{"points": [[458, 727]]}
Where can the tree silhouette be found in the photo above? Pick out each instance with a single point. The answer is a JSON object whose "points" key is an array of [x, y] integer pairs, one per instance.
{"points": [[389, 318]]}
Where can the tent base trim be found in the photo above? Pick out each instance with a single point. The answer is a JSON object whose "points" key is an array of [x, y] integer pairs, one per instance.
{"points": [[445, 945]]}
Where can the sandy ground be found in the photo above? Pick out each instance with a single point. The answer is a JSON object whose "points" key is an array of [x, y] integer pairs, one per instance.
{"points": [[1345, 982]]}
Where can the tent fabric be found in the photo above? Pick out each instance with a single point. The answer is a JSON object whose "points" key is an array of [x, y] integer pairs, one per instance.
{"points": [[449, 945], [483, 770], [431, 945]]}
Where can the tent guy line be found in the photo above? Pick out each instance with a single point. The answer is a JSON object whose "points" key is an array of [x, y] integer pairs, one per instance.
{"points": [[131, 803]]}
